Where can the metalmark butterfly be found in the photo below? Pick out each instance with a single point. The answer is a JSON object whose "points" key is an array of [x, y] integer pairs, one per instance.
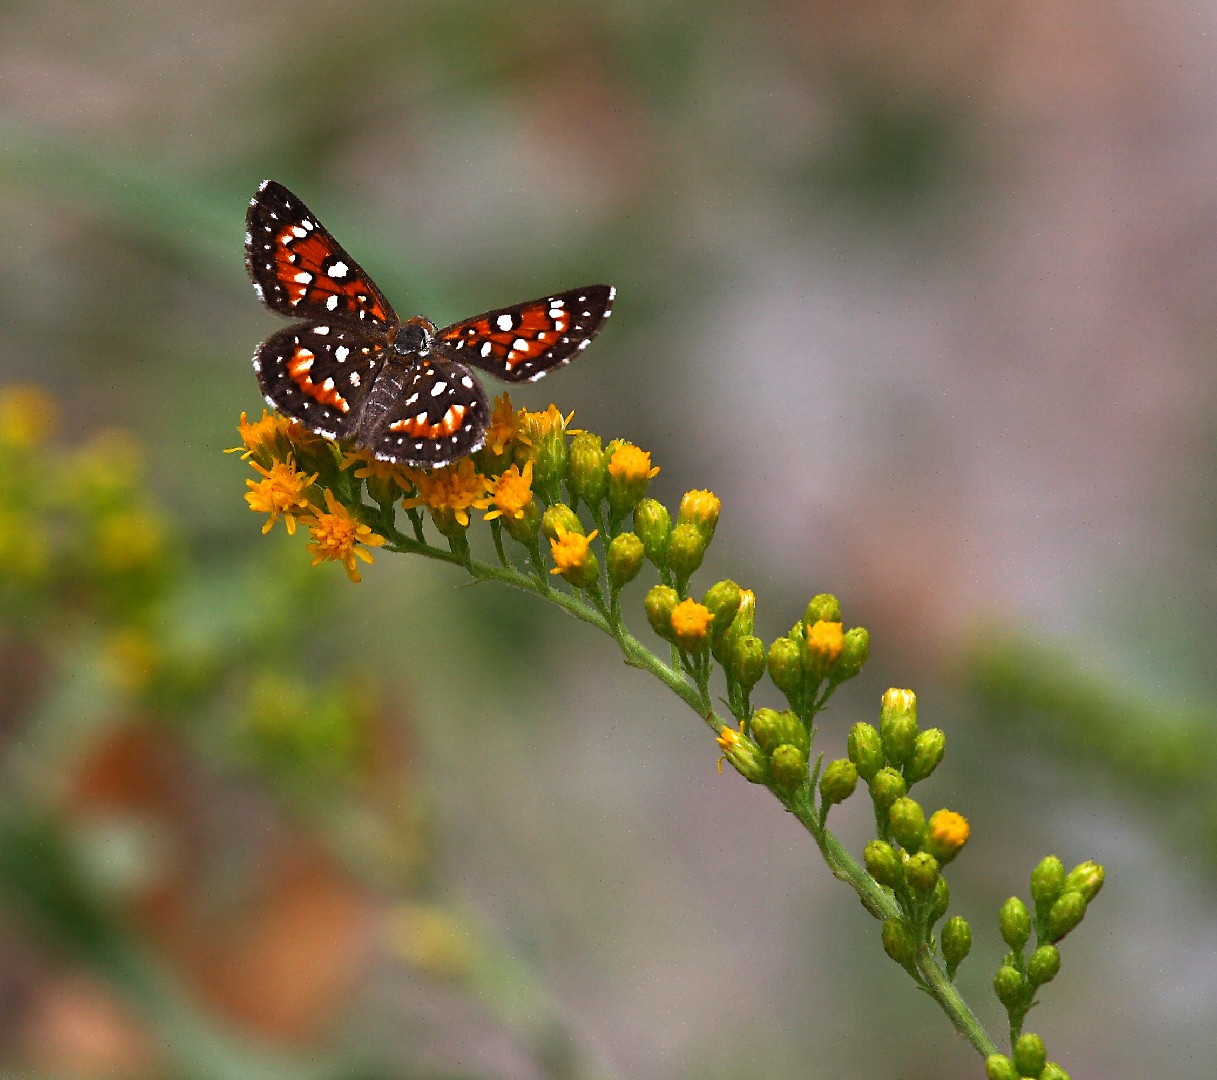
{"points": [[353, 370]]}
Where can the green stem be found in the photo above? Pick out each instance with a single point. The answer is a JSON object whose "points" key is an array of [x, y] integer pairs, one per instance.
{"points": [[880, 903], [693, 690]]}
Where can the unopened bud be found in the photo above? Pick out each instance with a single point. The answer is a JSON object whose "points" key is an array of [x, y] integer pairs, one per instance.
{"points": [[653, 524], [838, 781], [1066, 912], [865, 750]]}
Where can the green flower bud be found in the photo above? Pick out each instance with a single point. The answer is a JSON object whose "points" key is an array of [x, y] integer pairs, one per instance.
{"points": [[822, 608], [653, 524], [940, 901], [629, 472], [1066, 912], [384, 489], [854, 651], [838, 781], [746, 660], [956, 939], [1015, 923], [786, 667], [660, 602], [586, 470], [1086, 878], [446, 522], [928, 749], [745, 616], [542, 440], [907, 821], [898, 942], [1047, 881], [770, 729], [1052, 1071], [886, 787], [1008, 986], [921, 871], [1000, 1067], [865, 750], [723, 600], [1043, 965], [624, 559], [767, 729], [1028, 1055], [686, 546], [560, 515], [700, 509], [789, 766], [523, 529], [898, 724], [883, 864]]}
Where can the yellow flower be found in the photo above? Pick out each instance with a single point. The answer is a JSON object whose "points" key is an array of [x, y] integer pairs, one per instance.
{"points": [[455, 487], [690, 622], [502, 427], [572, 559], [27, 415], [280, 493], [533, 428], [383, 478], [744, 755], [510, 493], [629, 471], [628, 464], [946, 833], [339, 536], [700, 508], [264, 439], [824, 642]]}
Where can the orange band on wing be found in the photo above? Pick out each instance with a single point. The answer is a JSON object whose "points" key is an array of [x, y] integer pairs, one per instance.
{"points": [[417, 426]]}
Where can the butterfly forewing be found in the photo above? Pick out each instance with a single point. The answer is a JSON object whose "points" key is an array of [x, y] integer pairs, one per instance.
{"points": [[522, 343], [438, 414], [319, 375], [299, 269]]}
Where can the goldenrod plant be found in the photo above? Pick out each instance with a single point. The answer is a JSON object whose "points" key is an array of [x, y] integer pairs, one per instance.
{"points": [[571, 523]]}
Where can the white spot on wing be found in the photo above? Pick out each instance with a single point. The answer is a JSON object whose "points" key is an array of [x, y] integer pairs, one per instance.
{"points": [[505, 322], [486, 348], [339, 270], [331, 302], [439, 388], [341, 353]]}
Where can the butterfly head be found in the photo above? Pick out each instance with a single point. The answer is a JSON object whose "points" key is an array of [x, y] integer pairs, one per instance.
{"points": [[414, 337]]}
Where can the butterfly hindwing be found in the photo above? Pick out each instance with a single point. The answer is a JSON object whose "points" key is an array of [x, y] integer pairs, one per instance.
{"points": [[439, 414], [319, 375], [300, 270], [523, 342]]}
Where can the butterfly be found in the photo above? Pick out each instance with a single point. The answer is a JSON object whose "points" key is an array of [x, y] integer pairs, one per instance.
{"points": [[353, 370]]}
